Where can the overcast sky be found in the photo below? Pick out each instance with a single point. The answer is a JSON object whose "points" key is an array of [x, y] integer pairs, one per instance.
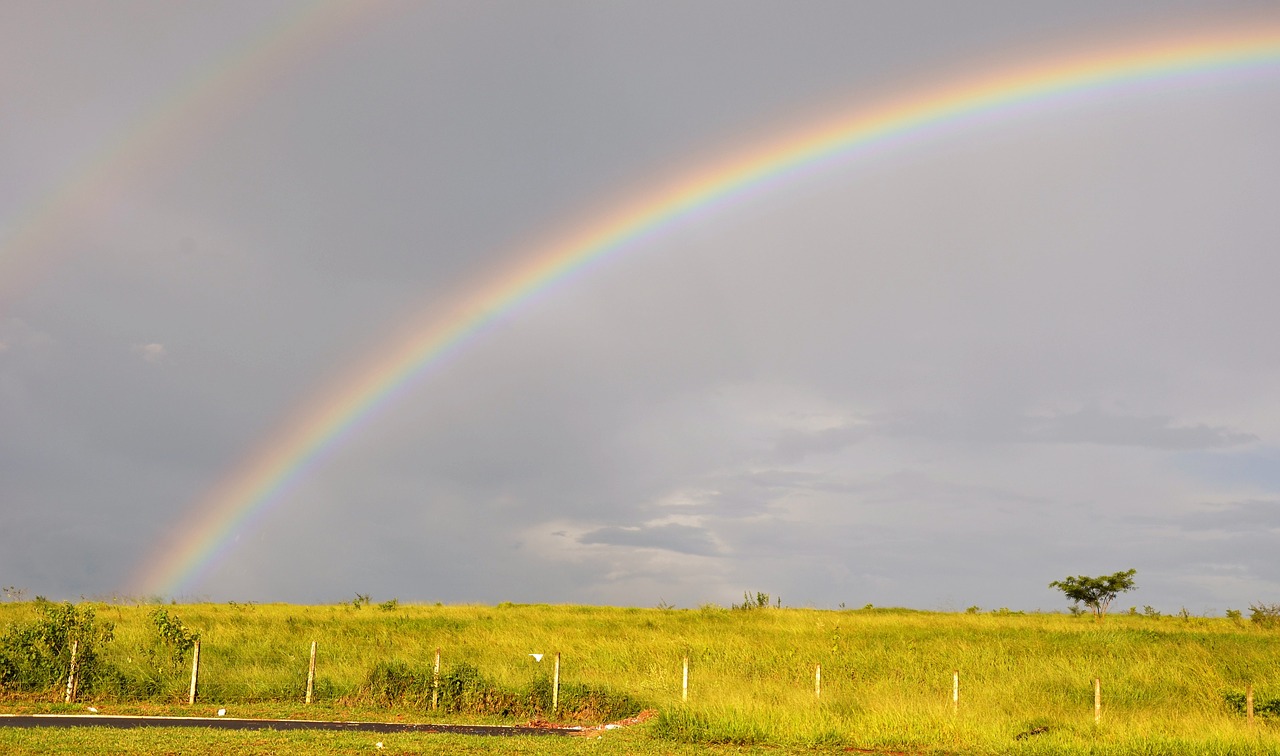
{"points": [[937, 375]]}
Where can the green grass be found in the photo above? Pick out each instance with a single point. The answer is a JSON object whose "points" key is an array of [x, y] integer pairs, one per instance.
{"points": [[887, 677]]}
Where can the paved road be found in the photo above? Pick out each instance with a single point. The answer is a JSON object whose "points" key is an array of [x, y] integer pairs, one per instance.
{"points": [[232, 723]]}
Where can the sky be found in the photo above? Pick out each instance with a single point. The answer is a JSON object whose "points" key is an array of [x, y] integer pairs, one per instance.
{"points": [[939, 373]]}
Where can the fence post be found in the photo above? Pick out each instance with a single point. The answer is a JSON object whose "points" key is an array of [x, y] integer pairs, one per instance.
{"points": [[955, 690], [817, 681], [311, 672], [684, 686], [555, 687], [1248, 703], [71, 673], [195, 673], [435, 682], [1097, 700]]}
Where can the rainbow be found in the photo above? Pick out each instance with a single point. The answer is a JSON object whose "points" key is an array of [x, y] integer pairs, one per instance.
{"points": [[174, 125], [316, 431]]}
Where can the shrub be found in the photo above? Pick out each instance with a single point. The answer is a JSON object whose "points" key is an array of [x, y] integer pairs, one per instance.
{"points": [[464, 690], [1261, 706], [588, 704], [1265, 615], [177, 638], [389, 682], [37, 656], [760, 601]]}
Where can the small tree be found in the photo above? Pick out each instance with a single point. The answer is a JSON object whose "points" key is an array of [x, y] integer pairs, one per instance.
{"points": [[1096, 592]]}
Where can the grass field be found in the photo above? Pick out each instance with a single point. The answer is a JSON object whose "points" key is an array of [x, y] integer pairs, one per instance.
{"points": [[1026, 681]]}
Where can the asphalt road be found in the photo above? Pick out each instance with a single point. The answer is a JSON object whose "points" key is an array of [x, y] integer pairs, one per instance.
{"points": [[232, 723]]}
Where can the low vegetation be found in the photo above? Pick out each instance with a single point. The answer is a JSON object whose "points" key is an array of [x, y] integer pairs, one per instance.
{"points": [[1170, 683], [35, 655]]}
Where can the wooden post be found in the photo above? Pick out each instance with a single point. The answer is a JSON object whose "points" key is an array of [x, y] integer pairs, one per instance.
{"points": [[1248, 703], [1097, 700], [955, 690], [311, 672], [817, 681], [555, 687], [71, 673], [684, 687], [195, 673], [435, 682]]}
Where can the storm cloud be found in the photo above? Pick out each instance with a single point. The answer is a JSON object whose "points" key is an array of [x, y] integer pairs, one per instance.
{"points": [[940, 372]]}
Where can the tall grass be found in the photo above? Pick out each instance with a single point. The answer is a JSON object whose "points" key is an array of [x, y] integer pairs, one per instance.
{"points": [[1025, 680]]}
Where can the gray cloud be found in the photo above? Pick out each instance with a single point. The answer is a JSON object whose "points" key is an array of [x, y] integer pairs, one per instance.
{"points": [[1093, 426], [1238, 518], [942, 370], [672, 537], [152, 352], [1089, 425]]}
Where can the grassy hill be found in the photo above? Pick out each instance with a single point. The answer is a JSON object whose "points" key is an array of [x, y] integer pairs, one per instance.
{"points": [[1169, 684]]}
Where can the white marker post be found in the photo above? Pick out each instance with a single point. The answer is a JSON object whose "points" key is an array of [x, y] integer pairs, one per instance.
{"points": [[311, 672], [71, 673], [955, 690], [817, 681], [1097, 700], [684, 687], [555, 687], [435, 682], [195, 673]]}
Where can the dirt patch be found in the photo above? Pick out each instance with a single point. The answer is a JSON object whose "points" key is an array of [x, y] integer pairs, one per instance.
{"points": [[640, 718]]}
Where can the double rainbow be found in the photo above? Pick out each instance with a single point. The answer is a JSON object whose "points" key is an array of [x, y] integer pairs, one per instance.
{"points": [[319, 428]]}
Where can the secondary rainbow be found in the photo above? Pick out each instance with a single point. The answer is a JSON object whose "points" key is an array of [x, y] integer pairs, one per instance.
{"points": [[319, 428], [157, 137]]}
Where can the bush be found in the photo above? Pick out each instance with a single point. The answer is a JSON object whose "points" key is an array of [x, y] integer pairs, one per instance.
{"points": [[760, 601], [36, 656], [1265, 615], [1261, 706], [464, 690], [177, 639], [390, 682], [581, 702]]}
